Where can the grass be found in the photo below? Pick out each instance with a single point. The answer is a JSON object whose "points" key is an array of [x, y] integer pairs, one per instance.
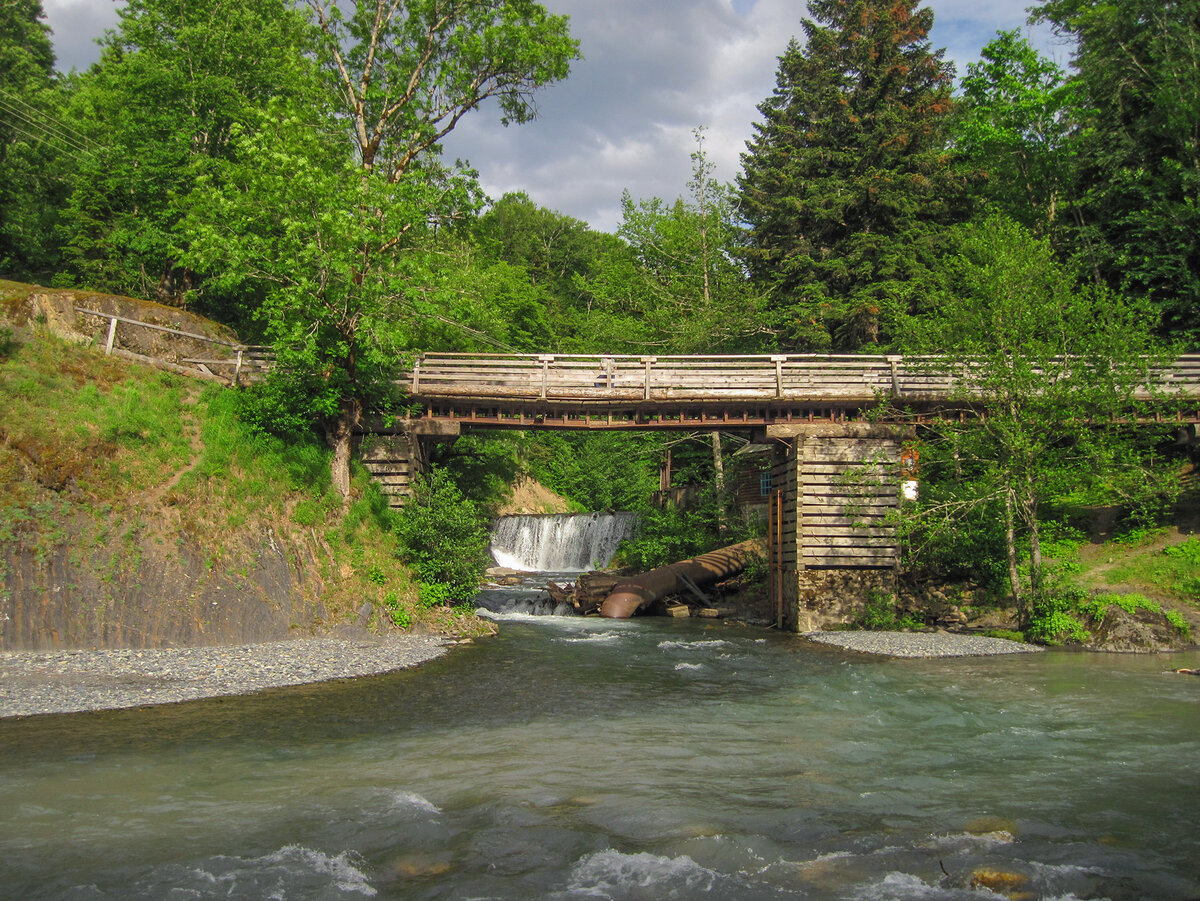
{"points": [[99, 454], [1152, 571]]}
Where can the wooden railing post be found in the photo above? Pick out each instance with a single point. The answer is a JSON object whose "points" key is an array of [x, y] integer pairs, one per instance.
{"points": [[112, 335], [894, 361], [649, 361], [237, 370], [545, 360], [779, 361], [416, 389]]}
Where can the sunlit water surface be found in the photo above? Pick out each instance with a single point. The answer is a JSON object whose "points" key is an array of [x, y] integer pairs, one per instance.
{"points": [[582, 759]]}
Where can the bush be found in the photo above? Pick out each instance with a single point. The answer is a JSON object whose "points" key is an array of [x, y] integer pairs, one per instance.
{"points": [[443, 537]]}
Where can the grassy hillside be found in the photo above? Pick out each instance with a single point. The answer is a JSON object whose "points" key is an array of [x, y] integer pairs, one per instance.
{"points": [[136, 510]]}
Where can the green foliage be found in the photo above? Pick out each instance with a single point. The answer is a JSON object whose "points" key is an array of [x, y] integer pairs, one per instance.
{"points": [[1181, 625], [668, 534], [34, 151], [692, 294], [434, 594], [847, 182], [1014, 131], [880, 614], [1188, 551], [397, 613], [443, 538], [1137, 158], [1036, 355], [483, 466], [1053, 617], [1007, 634], [205, 66], [598, 471], [7, 345]]}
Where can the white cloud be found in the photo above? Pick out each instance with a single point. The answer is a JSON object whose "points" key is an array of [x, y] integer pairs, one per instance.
{"points": [[651, 73]]}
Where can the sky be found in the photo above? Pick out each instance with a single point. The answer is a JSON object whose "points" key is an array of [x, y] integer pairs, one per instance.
{"points": [[653, 72]]}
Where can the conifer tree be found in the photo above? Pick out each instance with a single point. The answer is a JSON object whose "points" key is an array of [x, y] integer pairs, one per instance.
{"points": [[847, 181]]}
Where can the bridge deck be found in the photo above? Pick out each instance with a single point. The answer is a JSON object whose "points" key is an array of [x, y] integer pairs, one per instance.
{"points": [[602, 392]]}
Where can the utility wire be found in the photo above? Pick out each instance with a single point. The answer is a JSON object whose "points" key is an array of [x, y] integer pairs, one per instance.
{"points": [[32, 113], [42, 132]]}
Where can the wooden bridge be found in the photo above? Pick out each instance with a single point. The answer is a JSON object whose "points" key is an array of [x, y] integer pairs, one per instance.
{"points": [[673, 392]]}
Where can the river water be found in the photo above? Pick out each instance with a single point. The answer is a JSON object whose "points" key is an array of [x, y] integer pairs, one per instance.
{"points": [[571, 758]]}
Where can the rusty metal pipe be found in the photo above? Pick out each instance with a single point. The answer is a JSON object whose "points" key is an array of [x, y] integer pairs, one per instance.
{"points": [[630, 595]]}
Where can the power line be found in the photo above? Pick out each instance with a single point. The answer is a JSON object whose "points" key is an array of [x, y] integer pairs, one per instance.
{"points": [[62, 130], [44, 132]]}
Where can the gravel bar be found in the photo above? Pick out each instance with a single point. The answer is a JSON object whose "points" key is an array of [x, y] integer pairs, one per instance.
{"points": [[72, 681], [922, 644]]}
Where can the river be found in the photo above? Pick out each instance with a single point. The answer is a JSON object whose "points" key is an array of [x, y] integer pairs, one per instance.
{"points": [[571, 758]]}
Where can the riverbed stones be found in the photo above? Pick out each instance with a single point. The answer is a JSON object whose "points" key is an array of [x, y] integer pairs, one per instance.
{"points": [[73, 681], [921, 644]]}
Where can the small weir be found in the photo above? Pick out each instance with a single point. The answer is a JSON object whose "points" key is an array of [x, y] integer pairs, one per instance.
{"points": [[549, 548], [559, 542]]}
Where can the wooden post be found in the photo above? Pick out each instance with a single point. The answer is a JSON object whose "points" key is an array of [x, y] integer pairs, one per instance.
{"points": [[772, 561], [416, 389], [648, 361], [779, 360], [895, 377], [779, 559], [237, 370], [545, 360], [112, 335]]}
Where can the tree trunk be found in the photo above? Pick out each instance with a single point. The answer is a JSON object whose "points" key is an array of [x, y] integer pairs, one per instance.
{"points": [[719, 469], [339, 437], [1035, 540], [1010, 546]]}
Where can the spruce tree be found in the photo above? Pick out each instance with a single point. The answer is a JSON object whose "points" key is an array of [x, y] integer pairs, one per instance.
{"points": [[848, 181]]}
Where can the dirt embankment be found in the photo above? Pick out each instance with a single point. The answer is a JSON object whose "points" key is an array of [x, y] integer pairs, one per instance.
{"points": [[135, 512]]}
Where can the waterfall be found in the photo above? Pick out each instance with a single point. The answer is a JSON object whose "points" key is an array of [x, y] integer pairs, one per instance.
{"points": [[560, 542]]}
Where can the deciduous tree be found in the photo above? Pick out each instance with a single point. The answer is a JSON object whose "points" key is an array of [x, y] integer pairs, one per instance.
{"points": [[1016, 130], [340, 239], [1049, 370], [1138, 71]]}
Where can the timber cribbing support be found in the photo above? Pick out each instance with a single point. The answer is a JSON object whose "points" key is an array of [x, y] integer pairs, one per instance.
{"points": [[833, 533]]}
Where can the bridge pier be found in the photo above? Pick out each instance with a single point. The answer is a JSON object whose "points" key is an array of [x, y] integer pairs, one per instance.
{"points": [[833, 532], [396, 454]]}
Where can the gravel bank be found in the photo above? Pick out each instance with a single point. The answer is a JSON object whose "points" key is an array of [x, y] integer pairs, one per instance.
{"points": [[72, 681], [921, 644]]}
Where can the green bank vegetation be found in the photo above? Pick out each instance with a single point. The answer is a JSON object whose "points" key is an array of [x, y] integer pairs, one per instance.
{"points": [[95, 451]]}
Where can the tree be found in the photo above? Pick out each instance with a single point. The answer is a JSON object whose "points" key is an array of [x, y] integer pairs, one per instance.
{"points": [[847, 182], [1138, 71], [697, 296], [340, 240], [172, 84], [1049, 369], [1015, 128], [558, 253], [32, 140]]}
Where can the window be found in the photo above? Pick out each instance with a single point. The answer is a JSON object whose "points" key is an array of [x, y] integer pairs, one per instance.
{"points": [[764, 483]]}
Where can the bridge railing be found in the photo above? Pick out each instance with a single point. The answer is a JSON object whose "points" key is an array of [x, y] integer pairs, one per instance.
{"points": [[633, 378]]}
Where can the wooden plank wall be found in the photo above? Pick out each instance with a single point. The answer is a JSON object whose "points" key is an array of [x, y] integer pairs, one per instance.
{"points": [[839, 494], [393, 461]]}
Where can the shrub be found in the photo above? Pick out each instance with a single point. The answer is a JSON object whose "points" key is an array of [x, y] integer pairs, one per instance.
{"points": [[399, 616], [443, 537]]}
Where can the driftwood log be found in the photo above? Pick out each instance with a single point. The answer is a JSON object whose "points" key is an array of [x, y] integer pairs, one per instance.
{"points": [[635, 592]]}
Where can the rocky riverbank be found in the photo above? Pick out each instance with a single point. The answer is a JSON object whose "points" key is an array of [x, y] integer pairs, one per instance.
{"points": [[34, 683], [921, 644]]}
